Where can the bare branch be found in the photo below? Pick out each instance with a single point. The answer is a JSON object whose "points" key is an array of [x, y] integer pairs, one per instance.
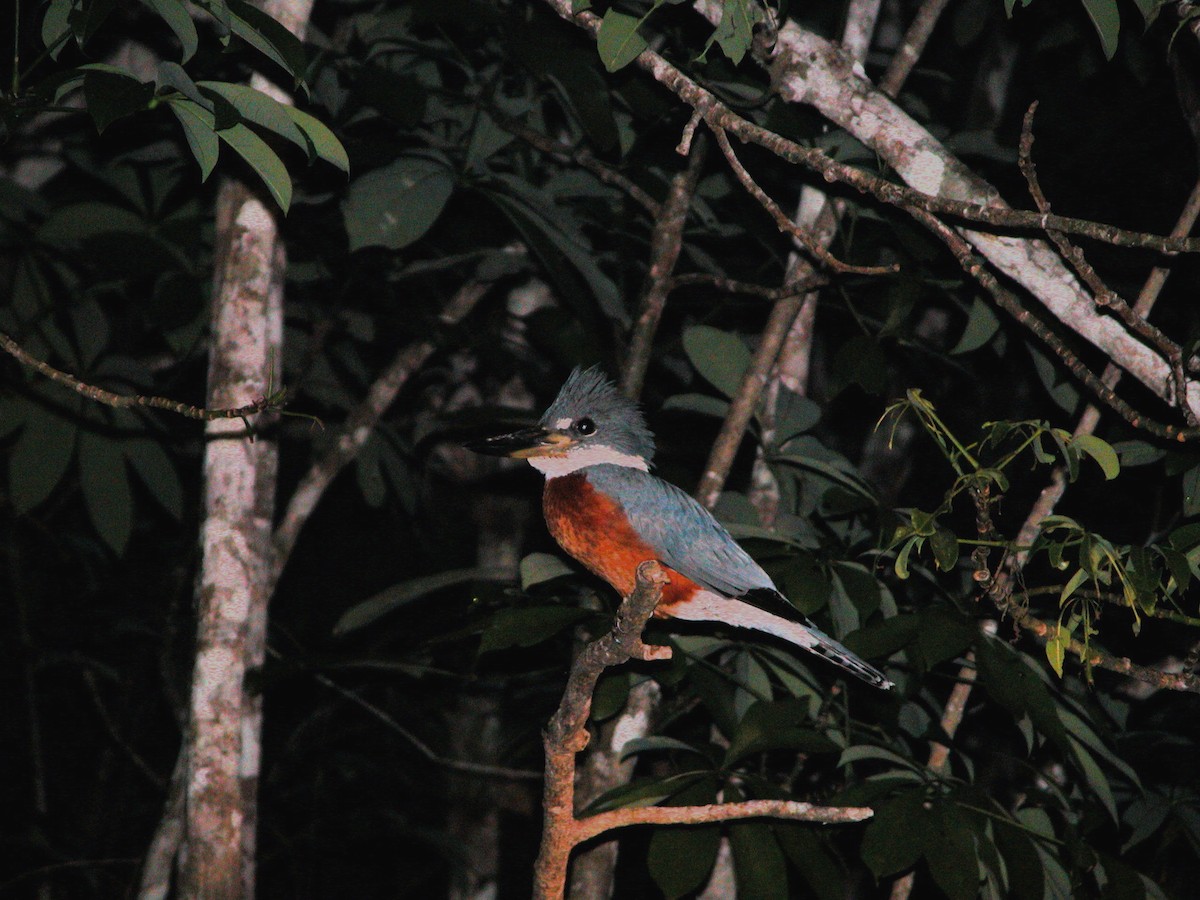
{"points": [[721, 812], [666, 241], [128, 401], [783, 221], [742, 407], [912, 46], [581, 157]]}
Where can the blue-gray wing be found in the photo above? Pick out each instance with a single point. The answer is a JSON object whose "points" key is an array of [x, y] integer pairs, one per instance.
{"points": [[682, 532]]}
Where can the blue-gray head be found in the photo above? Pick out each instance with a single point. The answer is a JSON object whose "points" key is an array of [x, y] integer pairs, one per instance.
{"points": [[590, 422]]}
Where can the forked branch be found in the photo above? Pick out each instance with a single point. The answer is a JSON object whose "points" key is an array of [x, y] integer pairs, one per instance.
{"points": [[566, 734]]}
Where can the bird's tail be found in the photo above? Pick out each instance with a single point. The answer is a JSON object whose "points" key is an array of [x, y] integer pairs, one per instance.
{"points": [[707, 606]]}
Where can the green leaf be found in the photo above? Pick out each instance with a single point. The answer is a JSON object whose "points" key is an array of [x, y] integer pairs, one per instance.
{"points": [[655, 743], [772, 725], [679, 859], [322, 142], [981, 327], [106, 492], [112, 95], [721, 357], [1102, 452], [650, 791], [539, 567], [528, 627], [1191, 491], [366, 612], [619, 42], [896, 835], [1096, 779], [1056, 652], [951, 854], [555, 235], [179, 20], [396, 205], [758, 861], [735, 32], [197, 123], [154, 467], [256, 107], [1106, 19], [944, 545], [40, 458], [55, 25], [703, 404], [267, 36], [266, 164]]}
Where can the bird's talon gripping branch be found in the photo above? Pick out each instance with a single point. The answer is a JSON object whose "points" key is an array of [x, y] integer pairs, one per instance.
{"points": [[605, 509]]}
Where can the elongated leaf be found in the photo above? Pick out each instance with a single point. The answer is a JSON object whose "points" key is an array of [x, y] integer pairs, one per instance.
{"points": [[528, 627], [679, 859], [982, 325], [56, 25], [322, 142], [1102, 452], [1106, 19], [366, 612], [106, 493], [656, 743], [758, 862], [897, 834], [154, 467], [256, 107], [179, 20], [397, 204], [619, 42], [40, 458], [197, 123], [267, 36], [265, 162]]}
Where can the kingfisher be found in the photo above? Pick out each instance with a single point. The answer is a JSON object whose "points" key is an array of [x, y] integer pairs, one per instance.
{"points": [[606, 509]]}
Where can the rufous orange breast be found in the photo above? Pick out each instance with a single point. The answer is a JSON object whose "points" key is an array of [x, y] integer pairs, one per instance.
{"points": [[593, 528]]}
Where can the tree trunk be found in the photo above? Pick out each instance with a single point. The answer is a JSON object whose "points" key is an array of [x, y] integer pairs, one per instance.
{"points": [[239, 489]]}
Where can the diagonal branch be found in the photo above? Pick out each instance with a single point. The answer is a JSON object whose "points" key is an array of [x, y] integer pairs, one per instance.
{"points": [[360, 424], [666, 241]]}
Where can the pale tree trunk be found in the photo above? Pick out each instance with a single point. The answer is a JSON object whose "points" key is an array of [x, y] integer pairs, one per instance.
{"points": [[224, 734]]}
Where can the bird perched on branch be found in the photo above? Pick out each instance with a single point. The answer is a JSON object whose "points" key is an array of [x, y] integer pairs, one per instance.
{"points": [[605, 509]]}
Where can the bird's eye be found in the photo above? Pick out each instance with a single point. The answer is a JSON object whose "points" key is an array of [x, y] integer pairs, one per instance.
{"points": [[585, 426]]}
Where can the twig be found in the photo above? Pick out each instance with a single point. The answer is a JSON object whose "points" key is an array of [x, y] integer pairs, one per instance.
{"points": [[794, 810], [360, 424], [718, 115], [666, 240], [977, 268], [783, 221], [1102, 294], [733, 286], [912, 46], [128, 401], [581, 156], [456, 765]]}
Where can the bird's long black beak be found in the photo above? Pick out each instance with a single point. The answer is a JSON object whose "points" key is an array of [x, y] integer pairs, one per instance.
{"points": [[525, 442]]}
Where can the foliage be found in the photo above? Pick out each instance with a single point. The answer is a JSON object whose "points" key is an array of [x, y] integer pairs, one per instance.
{"points": [[412, 164]]}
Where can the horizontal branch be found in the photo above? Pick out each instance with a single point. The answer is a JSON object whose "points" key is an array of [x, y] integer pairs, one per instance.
{"points": [[128, 401], [720, 812]]}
